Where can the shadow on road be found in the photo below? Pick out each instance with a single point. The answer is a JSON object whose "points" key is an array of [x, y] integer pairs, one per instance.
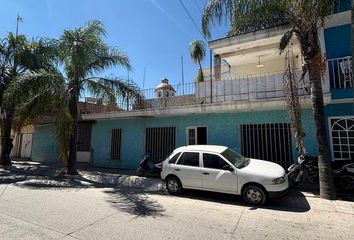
{"points": [[135, 202], [124, 193], [295, 201]]}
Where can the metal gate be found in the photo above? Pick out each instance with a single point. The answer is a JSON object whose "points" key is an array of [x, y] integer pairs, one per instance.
{"points": [[160, 141], [268, 141]]}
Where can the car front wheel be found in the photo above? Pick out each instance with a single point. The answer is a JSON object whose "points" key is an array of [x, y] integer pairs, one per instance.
{"points": [[254, 194], [173, 185]]}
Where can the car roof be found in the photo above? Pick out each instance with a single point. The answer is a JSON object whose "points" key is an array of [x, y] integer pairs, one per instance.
{"points": [[205, 148]]}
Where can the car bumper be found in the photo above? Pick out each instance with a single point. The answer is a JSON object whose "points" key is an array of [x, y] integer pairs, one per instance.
{"points": [[278, 193]]}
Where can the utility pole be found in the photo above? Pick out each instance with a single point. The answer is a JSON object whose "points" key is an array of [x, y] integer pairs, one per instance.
{"points": [[18, 19], [211, 75], [144, 76], [182, 75]]}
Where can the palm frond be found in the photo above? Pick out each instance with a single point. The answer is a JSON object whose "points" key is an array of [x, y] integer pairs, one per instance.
{"points": [[197, 51], [254, 15], [215, 12], [285, 40], [111, 88], [105, 57]]}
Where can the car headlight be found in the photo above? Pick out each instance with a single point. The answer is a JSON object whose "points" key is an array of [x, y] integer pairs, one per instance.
{"points": [[279, 180]]}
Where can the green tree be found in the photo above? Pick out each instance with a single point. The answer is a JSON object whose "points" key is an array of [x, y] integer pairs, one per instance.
{"points": [[18, 58], [82, 54], [305, 19], [197, 52]]}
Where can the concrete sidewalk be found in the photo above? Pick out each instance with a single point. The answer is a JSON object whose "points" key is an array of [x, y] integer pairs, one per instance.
{"points": [[90, 177]]}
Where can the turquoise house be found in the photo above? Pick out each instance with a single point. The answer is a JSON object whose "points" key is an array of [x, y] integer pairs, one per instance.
{"points": [[242, 104]]}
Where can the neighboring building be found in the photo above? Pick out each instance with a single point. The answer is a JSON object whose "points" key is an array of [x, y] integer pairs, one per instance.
{"points": [[243, 107]]}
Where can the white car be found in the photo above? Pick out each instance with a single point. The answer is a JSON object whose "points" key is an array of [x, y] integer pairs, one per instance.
{"points": [[220, 169]]}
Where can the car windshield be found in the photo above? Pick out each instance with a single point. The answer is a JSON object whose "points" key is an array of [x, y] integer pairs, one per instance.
{"points": [[235, 158]]}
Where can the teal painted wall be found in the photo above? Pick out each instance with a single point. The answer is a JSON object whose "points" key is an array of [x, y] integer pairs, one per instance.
{"points": [[342, 109], [132, 143], [44, 145], [342, 5], [338, 41], [223, 129], [338, 44]]}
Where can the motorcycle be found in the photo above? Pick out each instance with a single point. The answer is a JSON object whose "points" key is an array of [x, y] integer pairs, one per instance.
{"points": [[307, 168], [344, 177], [148, 166]]}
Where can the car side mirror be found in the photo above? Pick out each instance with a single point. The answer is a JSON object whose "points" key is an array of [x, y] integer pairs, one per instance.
{"points": [[228, 168]]}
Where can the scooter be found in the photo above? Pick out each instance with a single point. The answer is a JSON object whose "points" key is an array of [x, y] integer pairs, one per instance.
{"points": [[148, 166]]}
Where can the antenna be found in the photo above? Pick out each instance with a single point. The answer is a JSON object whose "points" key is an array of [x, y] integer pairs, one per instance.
{"points": [[144, 77]]}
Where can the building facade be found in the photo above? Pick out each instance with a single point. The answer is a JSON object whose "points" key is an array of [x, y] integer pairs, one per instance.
{"points": [[241, 105]]}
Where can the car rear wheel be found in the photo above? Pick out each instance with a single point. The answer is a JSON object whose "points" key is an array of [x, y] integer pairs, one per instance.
{"points": [[254, 194], [173, 185]]}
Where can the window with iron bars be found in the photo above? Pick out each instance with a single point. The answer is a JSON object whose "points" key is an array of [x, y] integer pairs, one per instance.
{"points": [[160, 142], [267, 141], [116, 141]]}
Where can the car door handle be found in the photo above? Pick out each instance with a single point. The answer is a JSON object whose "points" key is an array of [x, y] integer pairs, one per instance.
{"points": [[177, 169], [206, 173]]}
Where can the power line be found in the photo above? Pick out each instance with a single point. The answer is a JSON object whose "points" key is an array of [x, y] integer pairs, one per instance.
{"points": [[210, 52], [190, 17]]}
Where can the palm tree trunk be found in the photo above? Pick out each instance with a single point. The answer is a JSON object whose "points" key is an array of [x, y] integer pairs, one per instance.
{"points": [[327, 190], [201, 71], [6, 141], [73, 103]]}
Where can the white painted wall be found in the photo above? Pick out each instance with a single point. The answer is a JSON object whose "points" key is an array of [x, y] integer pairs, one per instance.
{"points": [[248, 88]]}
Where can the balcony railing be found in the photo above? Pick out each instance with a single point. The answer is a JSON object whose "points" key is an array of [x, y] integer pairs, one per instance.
{"points": [[247, 88], [340, 72]]}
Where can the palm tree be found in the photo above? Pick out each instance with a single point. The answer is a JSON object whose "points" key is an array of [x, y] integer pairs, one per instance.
{"points": [[82, 54], [18, 58], [197, 51], [305, 18]]}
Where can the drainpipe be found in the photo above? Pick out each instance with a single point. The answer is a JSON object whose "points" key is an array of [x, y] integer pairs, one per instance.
{"points": [[211, 76]]}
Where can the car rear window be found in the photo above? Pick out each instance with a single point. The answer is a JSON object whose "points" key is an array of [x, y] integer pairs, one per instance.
{"points": [[174, 158], [189, 159]]}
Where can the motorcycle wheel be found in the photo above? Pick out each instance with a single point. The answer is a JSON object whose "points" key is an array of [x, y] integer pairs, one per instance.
{"points": [[345, 182], [292, 179], [140, 172]]}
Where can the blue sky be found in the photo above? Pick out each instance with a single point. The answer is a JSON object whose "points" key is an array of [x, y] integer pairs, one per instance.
{"points": [[154, 33]]}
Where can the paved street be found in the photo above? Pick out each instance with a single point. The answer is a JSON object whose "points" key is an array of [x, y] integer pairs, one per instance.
{"points": [[41, 207]]}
